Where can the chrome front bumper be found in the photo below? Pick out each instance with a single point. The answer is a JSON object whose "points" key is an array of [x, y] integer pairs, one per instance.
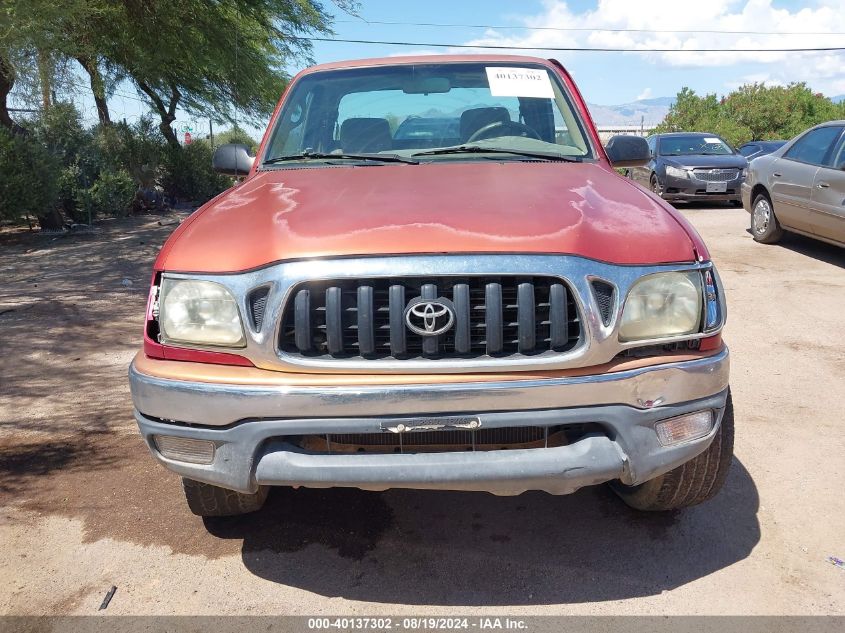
{"points": [[249, 426]]}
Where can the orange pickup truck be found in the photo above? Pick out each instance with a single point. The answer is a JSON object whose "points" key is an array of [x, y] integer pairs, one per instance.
{"points": [[431, 276]]}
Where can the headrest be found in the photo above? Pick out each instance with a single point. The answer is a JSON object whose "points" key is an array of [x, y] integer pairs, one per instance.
{"points": [[365, 135]]}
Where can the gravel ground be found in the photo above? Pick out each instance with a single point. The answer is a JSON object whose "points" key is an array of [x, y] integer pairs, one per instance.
{"points": [[83, 506]]}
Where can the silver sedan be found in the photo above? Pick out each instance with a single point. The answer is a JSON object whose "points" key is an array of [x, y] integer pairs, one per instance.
{"points": [[800, 187]]}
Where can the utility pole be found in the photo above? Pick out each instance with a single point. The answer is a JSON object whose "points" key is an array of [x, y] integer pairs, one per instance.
{"points": [[211, 133]]}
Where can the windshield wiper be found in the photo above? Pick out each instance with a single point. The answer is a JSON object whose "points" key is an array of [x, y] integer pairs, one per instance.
{"points": [[476, 149], [381, 158]]}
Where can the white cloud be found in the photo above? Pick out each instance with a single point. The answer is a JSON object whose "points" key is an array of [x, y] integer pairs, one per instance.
{"points": [[819, 25], [645, 94], [415, 53]]}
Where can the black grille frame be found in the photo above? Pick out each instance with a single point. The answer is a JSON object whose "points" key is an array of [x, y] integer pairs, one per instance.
{"points": [[361, 319]]}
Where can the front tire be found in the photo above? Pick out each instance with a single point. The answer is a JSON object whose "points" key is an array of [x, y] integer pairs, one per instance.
{"points": [[692, 482], [654, 185], [206, 500], [765, 227]]}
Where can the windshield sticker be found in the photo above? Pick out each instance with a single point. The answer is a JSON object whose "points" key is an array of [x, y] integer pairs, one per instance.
{"points": [[711, 139], [519, 82]]}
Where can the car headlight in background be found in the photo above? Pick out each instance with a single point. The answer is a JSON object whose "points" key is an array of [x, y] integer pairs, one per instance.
{"points": [[676, 172], [743, 174], [199, 313], [661, 305]]}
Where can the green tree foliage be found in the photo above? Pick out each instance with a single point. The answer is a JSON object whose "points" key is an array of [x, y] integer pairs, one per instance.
{"points": [[62, 171], [186, 174], [28, 185], [236, 135], [221, 59], [752, 112]]}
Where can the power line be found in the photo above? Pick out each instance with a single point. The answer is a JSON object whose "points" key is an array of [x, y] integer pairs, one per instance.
{"points": [[582, 29], [586, 49]]}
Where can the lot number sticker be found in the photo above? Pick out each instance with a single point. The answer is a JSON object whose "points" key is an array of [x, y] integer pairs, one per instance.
{"points": [[519, 82]]}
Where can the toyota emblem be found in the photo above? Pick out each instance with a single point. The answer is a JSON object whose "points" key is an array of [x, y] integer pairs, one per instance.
{"points": [[429, 317]]}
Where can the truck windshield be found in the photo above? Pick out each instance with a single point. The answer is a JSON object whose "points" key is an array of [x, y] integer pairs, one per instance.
{"points": [[404, 110]]}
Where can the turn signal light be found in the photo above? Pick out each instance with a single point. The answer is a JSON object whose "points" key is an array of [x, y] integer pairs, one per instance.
{"points": [[185, 449], [684, 428]]}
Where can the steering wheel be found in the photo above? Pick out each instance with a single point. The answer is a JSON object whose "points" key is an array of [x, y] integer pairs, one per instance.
{"points": [[492, 130]]}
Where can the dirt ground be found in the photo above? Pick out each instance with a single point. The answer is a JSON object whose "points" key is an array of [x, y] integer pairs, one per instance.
{"points": [[83, 506]]}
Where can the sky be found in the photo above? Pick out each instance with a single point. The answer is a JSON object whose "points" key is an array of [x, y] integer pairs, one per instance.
{"points": [[607, 78]]}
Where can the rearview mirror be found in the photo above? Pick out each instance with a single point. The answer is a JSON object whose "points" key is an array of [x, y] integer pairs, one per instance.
{"points": [[232, 159], [427, 85], [627, 151]]}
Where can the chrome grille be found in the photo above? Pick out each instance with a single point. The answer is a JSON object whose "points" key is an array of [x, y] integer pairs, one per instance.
{"points": [[495, 317], [716, 175]]}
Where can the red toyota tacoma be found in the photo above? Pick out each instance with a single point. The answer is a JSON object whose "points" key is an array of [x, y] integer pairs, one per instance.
{"points": [[431, 276]]}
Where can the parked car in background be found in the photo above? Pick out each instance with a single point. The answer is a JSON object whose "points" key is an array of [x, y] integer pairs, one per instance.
{"points": [[800, 187], [753, 149], [692, 166]]}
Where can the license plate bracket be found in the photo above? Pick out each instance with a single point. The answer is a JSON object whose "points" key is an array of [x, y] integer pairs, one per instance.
{"points": [[716, 187], [434, 423]]}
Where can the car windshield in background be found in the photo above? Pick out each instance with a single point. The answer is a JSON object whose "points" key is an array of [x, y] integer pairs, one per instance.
{"points": [[409, 109], [693, 145]]}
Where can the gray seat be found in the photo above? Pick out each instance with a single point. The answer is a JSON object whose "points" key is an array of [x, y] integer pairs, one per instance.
{"points": [[365, 135], [476, 118]]}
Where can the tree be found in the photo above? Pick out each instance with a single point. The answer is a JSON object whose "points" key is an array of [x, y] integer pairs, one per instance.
{"points": [[751, 112], [39, 36], [221, 59]]}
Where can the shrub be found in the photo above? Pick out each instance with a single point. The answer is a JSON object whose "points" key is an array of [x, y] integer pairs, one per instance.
{"points": [[186, 174], [112, 194], [28, 180], [70, 192]]}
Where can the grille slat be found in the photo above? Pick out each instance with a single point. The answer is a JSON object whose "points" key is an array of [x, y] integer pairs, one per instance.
{"points": [[334, 321], [559, 322], [302, 320], [493, 317], [506, 317], [398, 344], [366, 343], [460, 297]]}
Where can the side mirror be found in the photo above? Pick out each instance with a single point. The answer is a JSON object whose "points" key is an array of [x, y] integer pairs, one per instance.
{"points": [[627, 151], [232, 160]]}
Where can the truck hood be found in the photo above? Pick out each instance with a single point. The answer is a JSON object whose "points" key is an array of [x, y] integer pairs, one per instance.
{"points": [[473, 207]]}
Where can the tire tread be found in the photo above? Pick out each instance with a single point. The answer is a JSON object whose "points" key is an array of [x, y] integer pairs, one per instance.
{"points": [[207, 500]]}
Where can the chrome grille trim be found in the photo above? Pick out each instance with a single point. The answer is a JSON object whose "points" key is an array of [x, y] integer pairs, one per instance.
{"points": [[600, 341], [716, 175]]}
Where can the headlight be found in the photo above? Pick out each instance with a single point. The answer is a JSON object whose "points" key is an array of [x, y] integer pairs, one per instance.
{"points": [[676, 172], [743, 174], [199, 313], [661, 305]]}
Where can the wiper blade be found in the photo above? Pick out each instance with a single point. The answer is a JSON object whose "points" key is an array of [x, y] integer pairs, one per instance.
{"points": [[476, 149], [381, 158]]}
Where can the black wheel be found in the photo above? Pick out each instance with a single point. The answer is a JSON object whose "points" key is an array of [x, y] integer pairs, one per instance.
{"points": [[764, 224], [206, 500], [654, 185], [691, 483]]}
